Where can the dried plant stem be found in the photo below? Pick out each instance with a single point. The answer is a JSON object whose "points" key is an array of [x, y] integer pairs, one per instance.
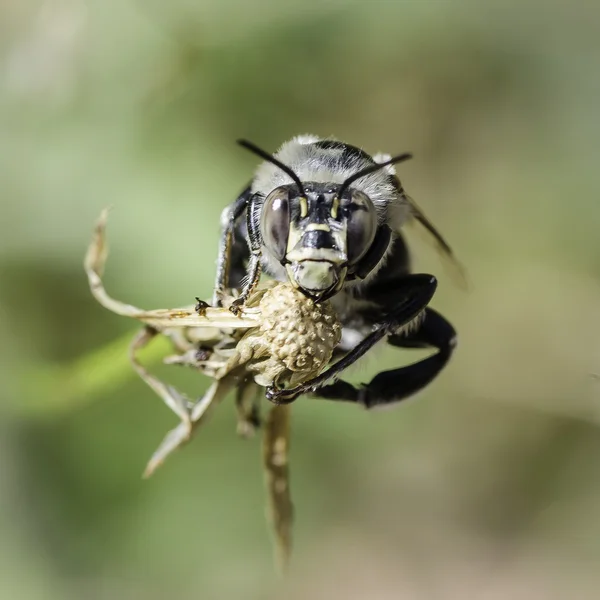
{"points": [[276, 445]]}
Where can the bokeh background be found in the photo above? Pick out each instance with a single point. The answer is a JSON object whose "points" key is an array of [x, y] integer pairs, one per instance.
{"points": [[488, 485]]}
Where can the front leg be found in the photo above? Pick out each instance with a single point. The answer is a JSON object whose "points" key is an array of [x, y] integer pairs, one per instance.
{"points": [[396, 385], [409, 296], [253, 216], [229, 218], [254, 270]]}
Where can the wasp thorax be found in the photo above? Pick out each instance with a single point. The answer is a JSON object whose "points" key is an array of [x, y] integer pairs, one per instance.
{"points": [[295, 339]]}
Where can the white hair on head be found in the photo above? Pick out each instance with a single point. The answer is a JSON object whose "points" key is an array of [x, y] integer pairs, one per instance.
{"points": [[327, 165], [307, 138]]}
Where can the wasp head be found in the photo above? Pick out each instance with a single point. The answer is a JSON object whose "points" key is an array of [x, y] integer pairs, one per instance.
{"points": [[318, 234], [318, 231]]}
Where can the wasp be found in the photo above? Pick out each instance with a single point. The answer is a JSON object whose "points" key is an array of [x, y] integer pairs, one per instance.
{"points": [[329, 218]]}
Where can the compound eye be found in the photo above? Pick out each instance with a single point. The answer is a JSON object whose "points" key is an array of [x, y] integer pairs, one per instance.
{"points": [[275, 222], [361, 224]]}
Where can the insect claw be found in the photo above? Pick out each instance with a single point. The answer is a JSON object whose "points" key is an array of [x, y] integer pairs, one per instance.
{"points": [[278, 397], [203, 354], [201, 307], [236, 307]]}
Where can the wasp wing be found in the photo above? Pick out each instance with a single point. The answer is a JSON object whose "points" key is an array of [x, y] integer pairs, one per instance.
{"points": [[454, 267]]}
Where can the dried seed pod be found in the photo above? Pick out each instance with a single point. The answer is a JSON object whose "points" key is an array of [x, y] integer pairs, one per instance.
{"points": [[281, 338], [293, 342]]}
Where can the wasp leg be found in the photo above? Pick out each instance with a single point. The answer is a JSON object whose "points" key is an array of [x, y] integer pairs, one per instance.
{"points": [[254, 271], [233, 252], [407, 296], [398, 384], [229, 221], [201, 307]]}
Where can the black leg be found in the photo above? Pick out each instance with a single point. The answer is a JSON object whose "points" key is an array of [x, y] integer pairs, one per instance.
{"points": [[228, 222], [201, 306], [254, 270], [408, 296], [398, 384]]}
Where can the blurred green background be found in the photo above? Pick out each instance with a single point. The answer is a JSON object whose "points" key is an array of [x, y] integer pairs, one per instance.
{"points": [[488, 485]]}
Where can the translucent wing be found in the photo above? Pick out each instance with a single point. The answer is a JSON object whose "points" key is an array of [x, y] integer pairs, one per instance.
{"points": [[454, 267]]}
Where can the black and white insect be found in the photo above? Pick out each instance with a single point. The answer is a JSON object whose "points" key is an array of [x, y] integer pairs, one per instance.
{"points": [[328, 217]]}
